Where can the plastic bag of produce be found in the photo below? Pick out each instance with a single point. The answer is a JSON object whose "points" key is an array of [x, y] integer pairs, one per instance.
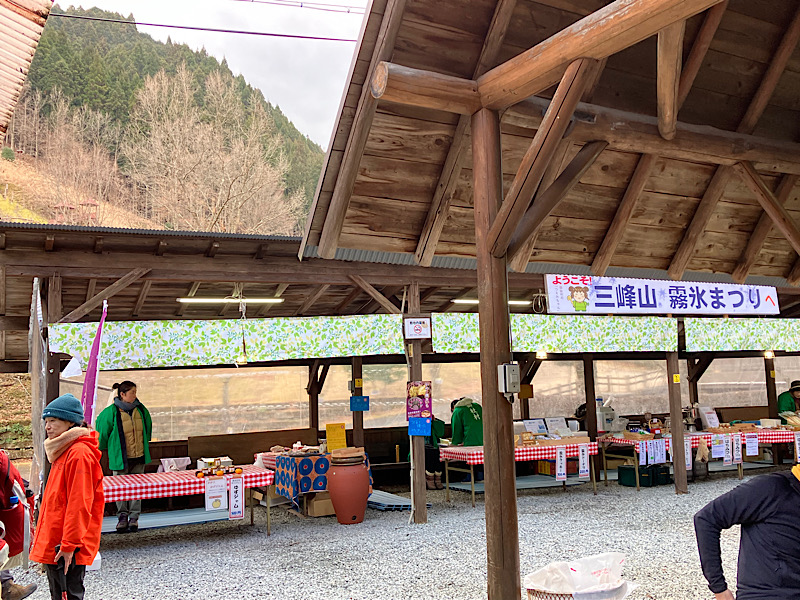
{"points": [[597, 577]]}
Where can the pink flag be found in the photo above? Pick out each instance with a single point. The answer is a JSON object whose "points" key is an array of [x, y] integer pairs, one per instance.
{"points": [[89, 392]]}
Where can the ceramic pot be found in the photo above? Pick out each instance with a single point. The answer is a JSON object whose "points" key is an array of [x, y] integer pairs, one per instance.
{"points": [[349, 489]]}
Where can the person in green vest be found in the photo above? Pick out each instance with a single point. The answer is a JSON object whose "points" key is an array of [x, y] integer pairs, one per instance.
{"points": [[789, 400], [467, 426], [125, 429]]}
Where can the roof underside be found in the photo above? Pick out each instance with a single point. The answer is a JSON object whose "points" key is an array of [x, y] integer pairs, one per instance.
{"points": [[406, 148]]}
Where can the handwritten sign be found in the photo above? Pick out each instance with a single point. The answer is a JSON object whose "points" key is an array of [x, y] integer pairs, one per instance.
{"points": [[751, 444], [660, 451], [642, 453], [651, 452], [236, 499], [335, 436], [561, 463], [359, 403], [418, 399], [419, 426], [583, 461], [687, 453], [727, 457], [717, 446], [737, 448], [216, 493], [583, 294]]}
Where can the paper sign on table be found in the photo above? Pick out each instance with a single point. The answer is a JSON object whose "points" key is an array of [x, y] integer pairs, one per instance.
{"points": [[737, 448], [687, 453], [216, 493], [583, 461], [642, 453], [535, 425], [717, 446], [797, 445], [660, 451], [556, 423], [236, 499], [335, 436], [419, 426], [751, 444], [727, 458], [651, 452], [561, 463]]}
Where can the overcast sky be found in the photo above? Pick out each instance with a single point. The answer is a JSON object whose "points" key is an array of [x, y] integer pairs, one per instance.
{"points": [[304, 78]]}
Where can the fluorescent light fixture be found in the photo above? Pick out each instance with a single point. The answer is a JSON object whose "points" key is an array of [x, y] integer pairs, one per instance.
{"points": [[769, 354], [202, 300], [541, 355], [519, 302], [471, 301]]}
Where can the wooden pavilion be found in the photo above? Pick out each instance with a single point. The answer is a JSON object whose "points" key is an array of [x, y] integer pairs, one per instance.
{"points": [[544, 136]]}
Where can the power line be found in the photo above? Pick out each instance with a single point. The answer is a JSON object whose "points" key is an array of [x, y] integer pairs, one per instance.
{"points": [[260, 33], [335, 8]]}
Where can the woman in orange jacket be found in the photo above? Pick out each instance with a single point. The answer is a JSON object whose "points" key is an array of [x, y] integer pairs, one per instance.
{"points": [[71, 514]]}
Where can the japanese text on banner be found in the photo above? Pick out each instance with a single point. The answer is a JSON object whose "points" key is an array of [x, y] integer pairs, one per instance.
{"points": [[236, 499], [583, 461], [561, 463], [582, 294]]}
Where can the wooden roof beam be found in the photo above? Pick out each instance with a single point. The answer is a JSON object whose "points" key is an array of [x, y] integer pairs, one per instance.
{"points": [[349, 299], [375, 294], [747, 125], [670, 51], [311, 299], [425, 89], [762, 230], [49, 242], [777, 212], [445, 187], [192, 291], [536, 159], [213, 248], [622, 217], [98, 244], [357, 140], [372, 305], [279, 291], [146, 284], [85, 308], [607, 31], [699, 49], [534, 217], [223, 310]]}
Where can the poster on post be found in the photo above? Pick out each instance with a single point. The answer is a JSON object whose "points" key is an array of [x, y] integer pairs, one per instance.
{"points": [[737, 448], [419, 402], [216, 494], [236, 499], [583, 461], [561, 463], [335, 436]]}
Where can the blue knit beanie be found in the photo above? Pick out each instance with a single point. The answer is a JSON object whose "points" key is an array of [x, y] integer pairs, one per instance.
{"points": [[66, 407]]}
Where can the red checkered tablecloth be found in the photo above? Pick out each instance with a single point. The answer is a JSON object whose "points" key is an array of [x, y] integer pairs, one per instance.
{"points": [[174, 483], [765, 436], [268, 459], [473, 455]]}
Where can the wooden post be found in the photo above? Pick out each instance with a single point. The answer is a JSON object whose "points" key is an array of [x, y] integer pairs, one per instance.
{"points": [[414, 349], [358, 416], [313, 395], [693, 392], [591, 405], [772, 404], [502, 534], [676, 424]]}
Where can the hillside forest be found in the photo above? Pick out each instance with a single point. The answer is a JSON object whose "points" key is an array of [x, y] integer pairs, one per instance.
{"points": [[116, 129]]}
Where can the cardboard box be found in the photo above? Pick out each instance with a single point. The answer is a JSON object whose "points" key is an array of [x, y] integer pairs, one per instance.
{"points": [[564, 441], [548, 467], [320, 505]]}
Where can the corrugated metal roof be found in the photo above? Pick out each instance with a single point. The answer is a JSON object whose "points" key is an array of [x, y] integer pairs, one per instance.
{"points": [[21, 26], [153, 232]]}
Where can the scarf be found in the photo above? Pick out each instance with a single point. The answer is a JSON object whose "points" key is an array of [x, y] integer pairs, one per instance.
{"points": [[796, 471], [57, 446], [126, 406]]}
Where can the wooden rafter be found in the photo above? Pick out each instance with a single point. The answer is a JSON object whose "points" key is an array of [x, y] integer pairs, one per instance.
{"points": [[189, 294], [607, 31], [623, 215], [2, 290], [226, 307], [357, 140], [375, 294], [349, 299], [213, 247], [403, 85], [762, 230], [161, 247], [777, 212], [279, 291], [747, 125], [700, 46], [142, 297], [311, 299], [49, 242], [443, 194], [534, 217], [90, 287], [372, 305], [98, 244], [536, 159], [670, 51], [85, 308]]}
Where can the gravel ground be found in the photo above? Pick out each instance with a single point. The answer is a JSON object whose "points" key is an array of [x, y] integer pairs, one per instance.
{"points": [[385, 558]]}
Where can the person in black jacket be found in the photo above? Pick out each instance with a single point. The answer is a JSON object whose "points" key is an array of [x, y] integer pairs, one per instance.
{"points": [[768, 509]]}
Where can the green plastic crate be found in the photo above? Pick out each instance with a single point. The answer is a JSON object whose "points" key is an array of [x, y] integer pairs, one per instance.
{"points": [[661, 474], [627, 476]]}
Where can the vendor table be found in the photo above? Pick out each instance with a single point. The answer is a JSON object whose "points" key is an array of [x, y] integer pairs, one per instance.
{"points": [[179, 483], [473, 455], [765, 436]]}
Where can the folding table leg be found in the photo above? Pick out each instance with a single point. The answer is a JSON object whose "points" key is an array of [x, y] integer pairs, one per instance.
{"points": [[252, 508], [636, 466], [605, 464], [269, 491], [472, 480], [740, 468], [591, 473], [447, 480]]}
